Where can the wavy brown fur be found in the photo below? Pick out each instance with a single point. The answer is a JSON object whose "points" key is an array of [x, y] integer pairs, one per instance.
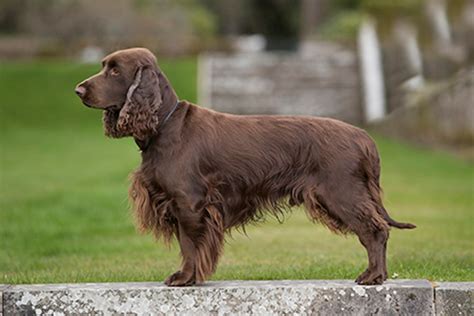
{"points": [[204, 172], [139, 115], [152, 208]]}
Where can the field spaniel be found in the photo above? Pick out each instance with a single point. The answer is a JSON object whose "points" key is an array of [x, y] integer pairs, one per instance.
{"points": [[205, 172]]}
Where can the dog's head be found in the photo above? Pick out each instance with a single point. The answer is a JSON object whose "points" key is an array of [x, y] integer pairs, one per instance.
{"points": [[128, 89]]}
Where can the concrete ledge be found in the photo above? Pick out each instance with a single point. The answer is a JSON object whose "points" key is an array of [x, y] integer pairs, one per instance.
{"points": [[2, 288], [401, 297], [454, 298]]}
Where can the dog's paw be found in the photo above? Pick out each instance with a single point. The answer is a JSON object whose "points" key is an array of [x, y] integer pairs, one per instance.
{"points": [[180, 279], [370, 278], [362, 276]]}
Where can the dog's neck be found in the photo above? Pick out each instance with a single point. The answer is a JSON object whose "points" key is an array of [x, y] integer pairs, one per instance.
{"points": [[143, 144], [170, 103], [168, 96]]}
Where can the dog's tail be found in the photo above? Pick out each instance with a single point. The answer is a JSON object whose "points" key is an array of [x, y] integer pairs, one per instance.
{"points": [[372, 169], [393, 223]]}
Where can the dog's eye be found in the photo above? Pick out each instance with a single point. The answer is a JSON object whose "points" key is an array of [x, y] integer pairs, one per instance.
{"points": [[114, 71]]}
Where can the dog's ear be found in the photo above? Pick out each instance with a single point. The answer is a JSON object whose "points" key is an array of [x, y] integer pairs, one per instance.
{"points": [[139, 115]]}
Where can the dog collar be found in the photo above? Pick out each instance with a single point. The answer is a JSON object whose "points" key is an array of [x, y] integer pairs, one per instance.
{"points": [[144, 144], [170, 113]]}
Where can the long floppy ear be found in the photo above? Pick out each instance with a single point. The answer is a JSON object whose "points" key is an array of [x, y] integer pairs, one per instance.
{"points": [[139, 115]]}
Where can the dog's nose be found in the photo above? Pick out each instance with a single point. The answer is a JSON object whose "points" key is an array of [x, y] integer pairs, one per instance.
{"points": [[80, 91]]}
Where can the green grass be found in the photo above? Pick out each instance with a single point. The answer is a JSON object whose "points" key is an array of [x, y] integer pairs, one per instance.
{"points": [[64, 217]]}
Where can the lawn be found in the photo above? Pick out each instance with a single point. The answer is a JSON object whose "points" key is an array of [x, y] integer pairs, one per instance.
{"points": [[64, 215]]}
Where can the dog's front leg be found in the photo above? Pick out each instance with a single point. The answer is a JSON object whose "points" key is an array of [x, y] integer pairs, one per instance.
{"points": [[187, 274], [201, 237]]}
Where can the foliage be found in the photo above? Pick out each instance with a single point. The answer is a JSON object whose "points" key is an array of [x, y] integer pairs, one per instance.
{"points": [[392, 7], [166, 26], [343, 26], [343, 15], [63, 208], [204, 23]]}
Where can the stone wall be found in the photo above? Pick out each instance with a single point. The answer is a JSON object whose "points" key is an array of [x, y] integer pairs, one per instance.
{"points": [[437, 114], [321, 80], [310, 297]]}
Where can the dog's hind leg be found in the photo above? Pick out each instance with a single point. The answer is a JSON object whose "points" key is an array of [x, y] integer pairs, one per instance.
{"points": [[364, 220], [373, 232], [318, 210], [375, 243], [345, 209]]}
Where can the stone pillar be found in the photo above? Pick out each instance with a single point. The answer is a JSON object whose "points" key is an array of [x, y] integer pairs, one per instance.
{"points": [[371, 72], [436, 10]]}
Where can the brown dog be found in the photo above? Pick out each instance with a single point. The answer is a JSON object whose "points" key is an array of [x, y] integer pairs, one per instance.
{"points": [[204, 172]]}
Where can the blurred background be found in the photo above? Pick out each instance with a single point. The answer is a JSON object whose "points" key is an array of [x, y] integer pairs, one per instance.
{"points": [[404, 70]]}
